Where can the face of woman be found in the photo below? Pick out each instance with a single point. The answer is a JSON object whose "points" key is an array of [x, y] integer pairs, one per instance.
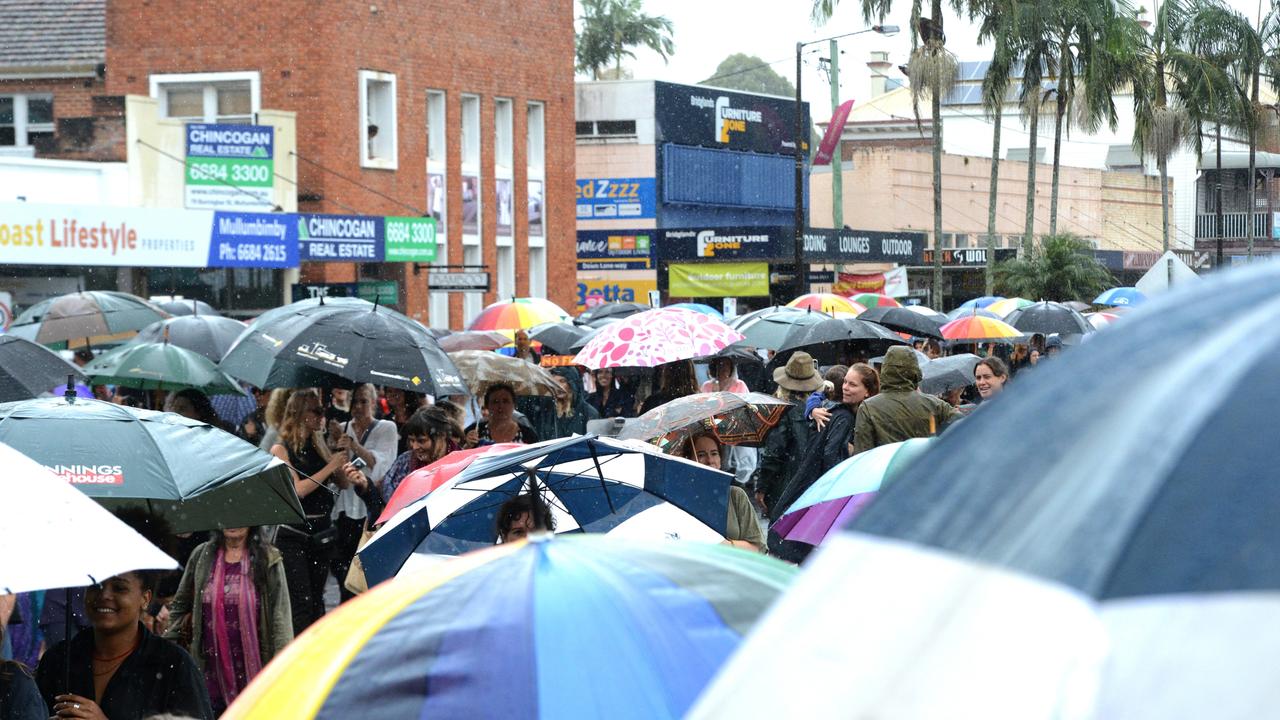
{"points": [[988, 382], [500, 406], [313, 416], [604, 377], [724, 371], [853, 391], [395, 397], [183, 407], [235, 534], [117, 603], [706, 451], [362, 404]]}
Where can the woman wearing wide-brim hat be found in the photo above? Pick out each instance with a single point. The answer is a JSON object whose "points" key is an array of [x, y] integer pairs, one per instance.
{"points": [[787, 442]]}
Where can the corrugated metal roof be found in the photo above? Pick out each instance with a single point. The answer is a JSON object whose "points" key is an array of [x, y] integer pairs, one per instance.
{"points": [[52, 33]]}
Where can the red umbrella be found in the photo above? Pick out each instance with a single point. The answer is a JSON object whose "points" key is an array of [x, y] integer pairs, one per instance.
{"points": [[419, 483]]}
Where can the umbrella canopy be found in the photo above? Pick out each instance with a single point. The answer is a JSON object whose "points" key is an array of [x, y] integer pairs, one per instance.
{"points": [[1149, 510], [979, 303], [901, 319], [870, 300], [28, 369], [768, 328], [551, 628], [976, 328], [481, 368], [948, 373], [88, 314], [591, 484], [734, 418], [57, 537], [195, 475], [961, 312], [210, 335], [348, 337], [606, 313], [700, 307], [841, 492], [193, 307], [518, 313], [1049, 318], [824, 340], [160, 366], [928, 312], [417, 484], [827, 303], [557, 337], [1100, 320], [1122, 296], [1078, 306], [1007, 305], [656, 337], [473, 340]]}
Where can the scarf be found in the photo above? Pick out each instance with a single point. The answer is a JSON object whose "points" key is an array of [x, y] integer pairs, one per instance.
{"points": [[247, 606]]}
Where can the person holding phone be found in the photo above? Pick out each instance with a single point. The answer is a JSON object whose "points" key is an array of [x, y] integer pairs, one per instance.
{"points": [[370, 444]]}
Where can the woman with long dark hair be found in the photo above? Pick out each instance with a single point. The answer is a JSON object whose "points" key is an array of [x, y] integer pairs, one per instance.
{"points": [[19, 697], [232, 610]]}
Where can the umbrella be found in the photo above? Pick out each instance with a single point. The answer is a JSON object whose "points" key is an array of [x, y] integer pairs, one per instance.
{"points": [[160, 366], [699, 307], [86, 314], [656, 337], [28, 369], [481, 368], [518, 313], [768, 328], [979, 303], [1049, 318], [870, 300], [602, 315], [192, 307], [948, 373], [1100, 320], [1149, 511], [827, 303], [927, 311], [1124, 296], [962, 312], [844, 490], [210, 335], [557, 337], [734, 418], [347, 337], [901, 319], [549, 628], [418, 483], [1078, 306], [57, 537], [473, 340], [1007, 305], [823, 340], [195, 475], [976, 328], [590, 483]]}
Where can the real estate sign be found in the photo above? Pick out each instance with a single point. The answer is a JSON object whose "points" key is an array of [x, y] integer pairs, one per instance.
{"points": [[230, 167]]}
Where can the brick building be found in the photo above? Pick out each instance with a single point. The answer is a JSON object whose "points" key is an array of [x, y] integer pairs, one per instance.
{"points": [[460, 110]]}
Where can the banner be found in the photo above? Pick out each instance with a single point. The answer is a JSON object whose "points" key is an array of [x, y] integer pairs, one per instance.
{"points": [[895, 283], [614, 249], [344, 238], [611, 198], [594, 291], [230, 167], [715, 118], [384, 292], [410, 239], [739, 279], [96, 235], [852, 284], [831, 139]]}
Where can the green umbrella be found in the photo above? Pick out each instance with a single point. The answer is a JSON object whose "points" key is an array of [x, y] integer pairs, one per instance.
{"points": [[160, 366], [195, 475]]}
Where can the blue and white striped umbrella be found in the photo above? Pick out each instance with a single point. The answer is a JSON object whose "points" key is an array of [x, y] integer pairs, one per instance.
{"points": [[1121, 297]]}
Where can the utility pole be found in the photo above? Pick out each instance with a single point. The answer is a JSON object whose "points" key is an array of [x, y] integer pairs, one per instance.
{"points": [[800, 283], [837, 183]]}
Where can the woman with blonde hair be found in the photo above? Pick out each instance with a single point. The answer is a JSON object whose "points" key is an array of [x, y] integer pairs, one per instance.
{"points": [[274, 416]]}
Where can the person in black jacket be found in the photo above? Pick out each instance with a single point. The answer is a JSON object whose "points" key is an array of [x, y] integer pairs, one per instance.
{"points": [[787, 442], [19, 695]]}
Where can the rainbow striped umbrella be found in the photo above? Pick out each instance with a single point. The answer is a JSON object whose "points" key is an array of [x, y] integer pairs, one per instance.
{"points": [[550, 628], [1100, 320], [977, 328], [518, 313], [874, 300], [1008, 305], [827, 302]]}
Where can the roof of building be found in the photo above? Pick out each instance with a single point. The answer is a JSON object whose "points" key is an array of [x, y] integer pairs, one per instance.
{"points": [[52, 34]]}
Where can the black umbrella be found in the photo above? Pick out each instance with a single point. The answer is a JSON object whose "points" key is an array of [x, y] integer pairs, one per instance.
{"points": [[348, 337], [1048, 318], [558, 338], [586, 338], [604, 314], [208, 335], [901, 319], [948, 373], [28, 369], [198, 308], [829, 341]]}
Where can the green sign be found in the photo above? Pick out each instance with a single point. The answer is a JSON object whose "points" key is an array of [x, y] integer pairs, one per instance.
{"points": [[230, 167], [736, 279], [243, 172], [410, 239], [384, 292]]}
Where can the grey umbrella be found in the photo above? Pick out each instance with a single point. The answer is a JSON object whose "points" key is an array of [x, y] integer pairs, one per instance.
{"points": [[28, 369], [210, 335], [199, 308], [88, 314], [948, 373]]}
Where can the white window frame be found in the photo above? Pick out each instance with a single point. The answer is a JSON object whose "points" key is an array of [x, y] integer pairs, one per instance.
{"points": [[21, 127], [387, 126], [537, 270], [437, 130], [209, 81], [503, 161], [471, 104], [505, 270], [536, 169]]}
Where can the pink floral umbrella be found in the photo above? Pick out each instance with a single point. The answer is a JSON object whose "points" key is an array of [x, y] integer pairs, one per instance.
{"points": [[656, 337]]}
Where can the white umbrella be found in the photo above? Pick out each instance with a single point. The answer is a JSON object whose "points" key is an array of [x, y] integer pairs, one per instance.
{"points": [[55, 536]]}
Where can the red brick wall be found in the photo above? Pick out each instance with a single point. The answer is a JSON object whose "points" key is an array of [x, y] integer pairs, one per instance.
{"points": [[308, 55], [73, 99]]}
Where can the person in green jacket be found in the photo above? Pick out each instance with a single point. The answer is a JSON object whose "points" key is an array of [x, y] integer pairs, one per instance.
{"points": [[232, 610], [900, 412]]}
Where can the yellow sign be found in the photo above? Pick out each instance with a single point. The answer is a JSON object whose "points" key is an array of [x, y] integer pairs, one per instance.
{"points": [[596, 290], [737, 279]]}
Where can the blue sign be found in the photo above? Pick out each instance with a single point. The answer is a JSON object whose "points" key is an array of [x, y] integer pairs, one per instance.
{"points": [[254, 142], [615, 249], [253, 240], [341, 238], [612, 198]]}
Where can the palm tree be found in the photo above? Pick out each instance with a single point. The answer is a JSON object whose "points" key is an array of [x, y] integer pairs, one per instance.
{"points": [[1064, 269], [997, 25], [610, 28], [1036, 50]]}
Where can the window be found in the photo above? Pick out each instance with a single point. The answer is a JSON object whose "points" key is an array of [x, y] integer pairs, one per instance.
{"points": [[961, 241], [377, 120], [230, 97], [503, 152], [25, 119], [470, 138], [506, 284], [536, 157], [605, 128], [948, 241], [437, 195], [537, 271], [472, 302]]}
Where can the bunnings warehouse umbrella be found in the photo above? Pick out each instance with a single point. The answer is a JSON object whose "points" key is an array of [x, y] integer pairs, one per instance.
{"points": [[80, 315], [28, 369], [195, 475], [160, 366], [563, 627]]}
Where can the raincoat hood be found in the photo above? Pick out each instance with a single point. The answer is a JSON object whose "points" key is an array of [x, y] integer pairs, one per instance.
{"points": [[900, 371], [575, 381]]}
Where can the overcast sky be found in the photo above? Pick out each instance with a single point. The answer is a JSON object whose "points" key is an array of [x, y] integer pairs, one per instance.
{"points": [[707, 31]]}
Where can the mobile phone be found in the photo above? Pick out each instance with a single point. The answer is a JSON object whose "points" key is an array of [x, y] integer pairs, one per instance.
{"points": [[358, 463]]}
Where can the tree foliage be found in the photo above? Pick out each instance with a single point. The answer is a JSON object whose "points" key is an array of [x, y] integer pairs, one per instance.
{"points": [[1064, 269], [749, 73], [609, 30]]}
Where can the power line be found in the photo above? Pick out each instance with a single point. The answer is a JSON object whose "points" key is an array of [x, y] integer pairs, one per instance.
{"points": [[357, 183], [754, 67]]}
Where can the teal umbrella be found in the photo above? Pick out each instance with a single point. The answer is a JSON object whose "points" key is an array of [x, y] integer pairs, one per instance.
{"points": [[160, 366], [195, 475]]}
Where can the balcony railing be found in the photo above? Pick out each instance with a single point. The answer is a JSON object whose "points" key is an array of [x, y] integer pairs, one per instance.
{"points": [[1234, 225]]}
